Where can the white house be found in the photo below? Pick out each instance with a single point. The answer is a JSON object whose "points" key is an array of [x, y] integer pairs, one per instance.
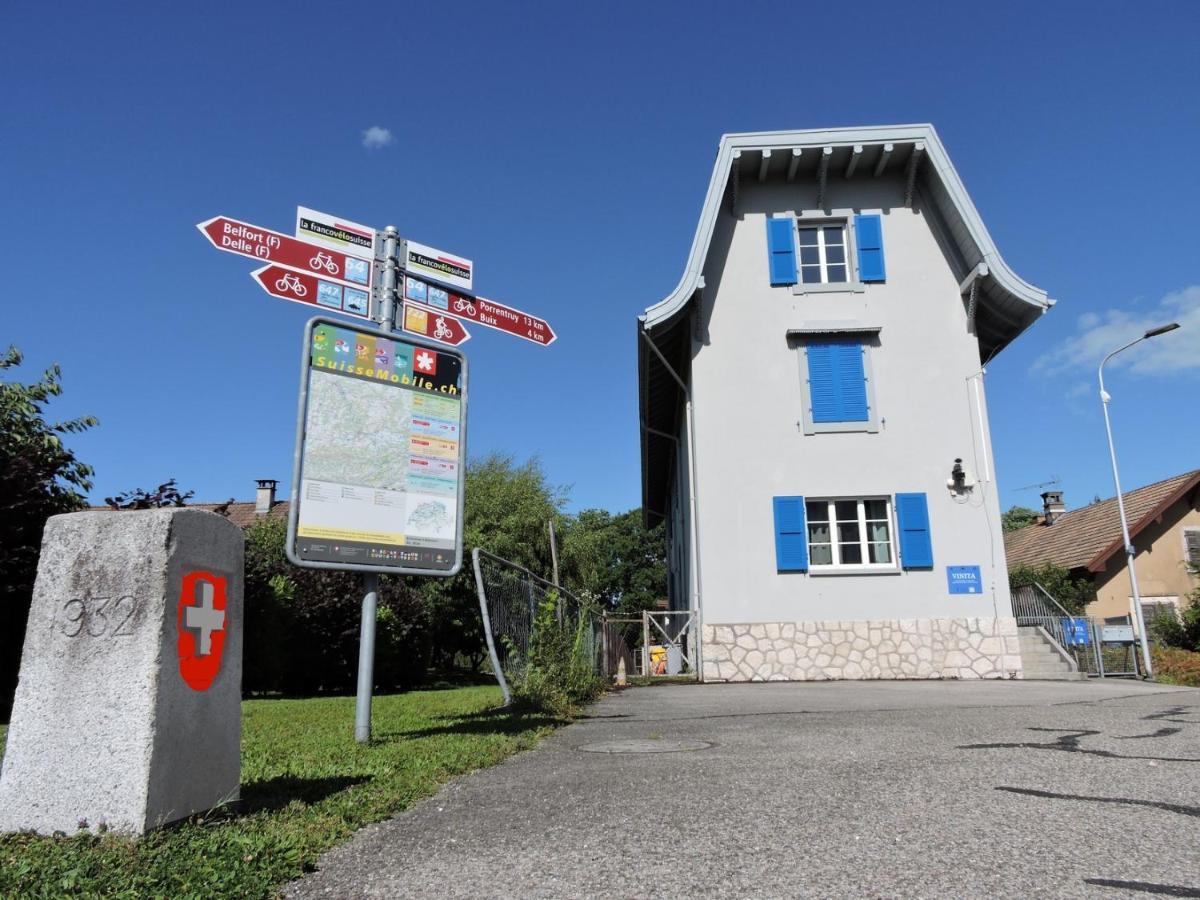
{"points": [[814, 425]]}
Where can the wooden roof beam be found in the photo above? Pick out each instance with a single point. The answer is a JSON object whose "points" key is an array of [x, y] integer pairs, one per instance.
{"points": [[822, 175], [764, 165], [793, 164], [884, 156], [914, 162], [855, 156]]}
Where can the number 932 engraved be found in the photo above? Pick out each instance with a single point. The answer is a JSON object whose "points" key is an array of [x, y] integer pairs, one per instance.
{"points": [[98, 616]]}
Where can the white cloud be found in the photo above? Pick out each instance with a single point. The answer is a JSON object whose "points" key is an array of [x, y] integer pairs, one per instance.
{"points": [[1098, 334], [375, 137]]}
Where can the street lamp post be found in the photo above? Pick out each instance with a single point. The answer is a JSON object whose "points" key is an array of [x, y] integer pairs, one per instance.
{"points": [[1112, 452]]}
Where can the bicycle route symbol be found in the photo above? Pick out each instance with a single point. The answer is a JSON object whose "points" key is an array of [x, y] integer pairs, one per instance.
{"points": [[291, 283], [324, 261]]}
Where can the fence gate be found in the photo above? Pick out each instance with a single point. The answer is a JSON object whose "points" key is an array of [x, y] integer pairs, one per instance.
{"points": [[510, 599], [668, 642], [1098, 650]]}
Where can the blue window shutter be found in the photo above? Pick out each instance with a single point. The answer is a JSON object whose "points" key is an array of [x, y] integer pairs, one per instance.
{"points": [[868, 235], [837, 384], [791, 539], [823, 393], [912, 517], [852, 381], [781, 250]]}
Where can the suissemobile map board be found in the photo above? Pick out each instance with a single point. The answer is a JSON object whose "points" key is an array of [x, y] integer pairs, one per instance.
{"points": [[380, 449]]}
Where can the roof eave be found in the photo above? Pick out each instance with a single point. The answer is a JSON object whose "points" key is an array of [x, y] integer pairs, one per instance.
{"points": [[1005, 278], [1098, 563]]}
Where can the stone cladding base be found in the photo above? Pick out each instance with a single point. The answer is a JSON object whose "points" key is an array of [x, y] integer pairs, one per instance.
{"points": [[884, 649]]}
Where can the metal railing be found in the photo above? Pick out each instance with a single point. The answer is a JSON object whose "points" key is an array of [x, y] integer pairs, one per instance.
{"points": [[1079, 637], [510, 600]]}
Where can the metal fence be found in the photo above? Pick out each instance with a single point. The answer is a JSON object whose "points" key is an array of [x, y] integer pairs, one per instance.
{"points": [[1080, 637], [510, 600]]}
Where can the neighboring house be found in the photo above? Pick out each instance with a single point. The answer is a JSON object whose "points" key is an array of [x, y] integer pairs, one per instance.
{"points": [[806, 393], [246, 513], [1164, 525]]}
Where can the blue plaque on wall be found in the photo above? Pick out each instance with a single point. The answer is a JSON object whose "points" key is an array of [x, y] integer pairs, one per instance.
{"points": [[964, 579]]}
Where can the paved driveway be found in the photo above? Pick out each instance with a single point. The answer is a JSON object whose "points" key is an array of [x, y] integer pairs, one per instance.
{"points": [[842, 789]]}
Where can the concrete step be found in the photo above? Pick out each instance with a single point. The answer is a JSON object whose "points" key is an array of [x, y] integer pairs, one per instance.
{"points": [[1041, 660]]}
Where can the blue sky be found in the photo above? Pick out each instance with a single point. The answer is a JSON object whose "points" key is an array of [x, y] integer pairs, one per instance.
{"points": [[566, 149]]}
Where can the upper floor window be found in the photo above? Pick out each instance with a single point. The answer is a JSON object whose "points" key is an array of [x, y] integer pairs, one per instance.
{"points": [[835, 378], [815, 255], [823, 254], [1191, 549]]}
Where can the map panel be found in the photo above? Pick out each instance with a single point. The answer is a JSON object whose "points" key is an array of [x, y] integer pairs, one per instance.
{"points": [[381, 453]]}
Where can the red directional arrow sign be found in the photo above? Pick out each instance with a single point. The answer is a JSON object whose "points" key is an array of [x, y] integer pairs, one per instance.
{"points": [[434, 325], [262, 244], [300, 287], [477, 309]]}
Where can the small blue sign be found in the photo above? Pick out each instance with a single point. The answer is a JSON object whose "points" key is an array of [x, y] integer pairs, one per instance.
{"points": [[1075, 631], [964, 579]]}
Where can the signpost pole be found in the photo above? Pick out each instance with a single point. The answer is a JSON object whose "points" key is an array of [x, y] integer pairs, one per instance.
{"points": [[366, 658], [386, 316]]}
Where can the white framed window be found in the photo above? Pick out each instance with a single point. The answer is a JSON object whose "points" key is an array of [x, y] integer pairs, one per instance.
{"points": [[824, 252], [850, 534]]}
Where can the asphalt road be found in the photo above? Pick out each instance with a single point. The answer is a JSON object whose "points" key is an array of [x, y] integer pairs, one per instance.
{"points": [[839, 789]]}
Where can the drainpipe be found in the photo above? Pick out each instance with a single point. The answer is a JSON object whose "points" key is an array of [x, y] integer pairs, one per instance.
{"points": [[694, 502]]}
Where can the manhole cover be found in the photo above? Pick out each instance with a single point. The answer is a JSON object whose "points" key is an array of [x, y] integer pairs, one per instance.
{"points": [[644, 746]]}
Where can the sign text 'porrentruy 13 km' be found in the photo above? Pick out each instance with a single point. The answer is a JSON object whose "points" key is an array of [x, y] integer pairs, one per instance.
{"points": [[380, 453], [479, 310]]}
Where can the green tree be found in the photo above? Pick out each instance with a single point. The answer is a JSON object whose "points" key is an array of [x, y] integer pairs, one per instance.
{"points": [[615, 560], [39, 477], [1017, 517], [1073, 592], [507, 507]]}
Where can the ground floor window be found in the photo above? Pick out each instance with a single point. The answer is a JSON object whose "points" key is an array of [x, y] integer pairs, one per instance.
{"points": [[852, 531]]}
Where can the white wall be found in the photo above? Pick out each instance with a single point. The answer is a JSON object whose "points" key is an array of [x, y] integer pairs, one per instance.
{"points": [[747, 396]]}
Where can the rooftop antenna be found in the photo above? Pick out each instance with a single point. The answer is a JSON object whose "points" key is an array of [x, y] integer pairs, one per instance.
{"points": [[1054, 480]]}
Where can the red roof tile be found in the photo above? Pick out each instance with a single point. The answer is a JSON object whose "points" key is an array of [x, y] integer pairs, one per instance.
{"points": [[240, 513], [1087, 537]]}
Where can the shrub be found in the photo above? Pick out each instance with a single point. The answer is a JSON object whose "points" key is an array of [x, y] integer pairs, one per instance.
{"points": [[558, 674], [1182, 633], [1072, 591], [1173, 666], [302, 625]]}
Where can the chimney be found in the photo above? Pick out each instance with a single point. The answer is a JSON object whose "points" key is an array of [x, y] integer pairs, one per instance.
{"points": [[1052, 506], [264, 497]]}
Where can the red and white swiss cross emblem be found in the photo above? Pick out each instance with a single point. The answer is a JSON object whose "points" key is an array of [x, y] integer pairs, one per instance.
{"points": [[425, 362], [202, 624]]}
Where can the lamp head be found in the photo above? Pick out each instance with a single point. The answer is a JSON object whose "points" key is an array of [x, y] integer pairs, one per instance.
{"points": [[1161, 329]]}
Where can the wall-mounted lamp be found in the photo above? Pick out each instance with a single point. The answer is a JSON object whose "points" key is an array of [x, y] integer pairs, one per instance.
{"points": [[959, 481]]}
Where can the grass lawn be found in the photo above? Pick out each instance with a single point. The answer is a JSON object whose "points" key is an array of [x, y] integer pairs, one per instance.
{"points": [[306, 785]]}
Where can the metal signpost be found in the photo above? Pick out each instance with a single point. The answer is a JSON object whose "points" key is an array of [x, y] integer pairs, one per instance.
{"points": [[378, 473]]}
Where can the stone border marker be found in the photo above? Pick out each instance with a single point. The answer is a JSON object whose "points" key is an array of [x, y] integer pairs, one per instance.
{"points": [[128, 710]]}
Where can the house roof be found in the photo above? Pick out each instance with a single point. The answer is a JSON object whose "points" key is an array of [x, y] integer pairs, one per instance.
{"points": [[1087, 537], [240, 513], [1006, 304]]}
